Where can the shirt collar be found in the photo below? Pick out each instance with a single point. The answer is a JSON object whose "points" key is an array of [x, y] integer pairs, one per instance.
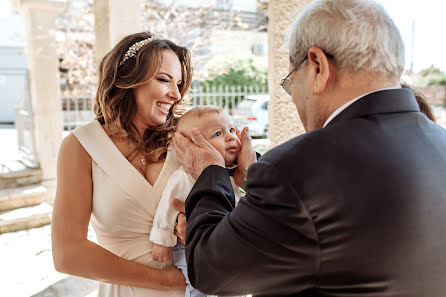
{"points": [[343, 107], [231, 169]]}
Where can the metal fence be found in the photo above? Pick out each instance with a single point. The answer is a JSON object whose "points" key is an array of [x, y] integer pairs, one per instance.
{"points": [[227, 97], [78, 110]]}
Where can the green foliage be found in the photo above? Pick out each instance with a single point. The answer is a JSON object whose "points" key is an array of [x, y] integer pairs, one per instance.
{"points": [[430, 71], [240, 72], [434, 76], [438, 80], [238, 76], [431, 76]]}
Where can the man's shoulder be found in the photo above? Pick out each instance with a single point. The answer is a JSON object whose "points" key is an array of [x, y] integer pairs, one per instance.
{"points": [[298, 147]]}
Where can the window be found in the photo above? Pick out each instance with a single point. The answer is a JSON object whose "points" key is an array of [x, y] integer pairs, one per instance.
{"points": [[258, 48]]}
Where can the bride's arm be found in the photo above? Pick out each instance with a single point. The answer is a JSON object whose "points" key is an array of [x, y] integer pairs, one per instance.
{"points": [[73, 253]]}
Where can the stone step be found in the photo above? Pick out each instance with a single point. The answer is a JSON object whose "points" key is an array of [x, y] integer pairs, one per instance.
{"points": [[22, 197], [25, 218], [16, 174]]}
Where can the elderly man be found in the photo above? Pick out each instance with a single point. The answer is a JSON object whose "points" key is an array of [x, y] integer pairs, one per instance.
{"points": [[354, 207]]}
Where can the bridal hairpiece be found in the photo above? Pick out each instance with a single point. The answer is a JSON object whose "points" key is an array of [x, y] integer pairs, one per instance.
{"points": [[136, 47]]}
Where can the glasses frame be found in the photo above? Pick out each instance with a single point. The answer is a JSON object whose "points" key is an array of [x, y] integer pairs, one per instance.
{"points": [[286, 82]]}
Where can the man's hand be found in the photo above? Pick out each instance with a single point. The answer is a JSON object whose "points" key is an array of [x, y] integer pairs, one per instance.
{"points": [[197, 154], [180, 228], [246, 157]]}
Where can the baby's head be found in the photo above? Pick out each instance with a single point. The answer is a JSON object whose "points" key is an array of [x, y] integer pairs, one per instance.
{"points": [[216, 126]]}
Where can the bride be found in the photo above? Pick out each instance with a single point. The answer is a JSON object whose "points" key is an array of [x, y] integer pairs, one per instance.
{"points": [[113, 170]]}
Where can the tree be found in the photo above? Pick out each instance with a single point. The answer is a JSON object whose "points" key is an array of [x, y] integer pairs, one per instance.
{"points": [[433, 76], [240, 72], [239, 76], [431, 70], [75, 47], [192, 27], [430, 76]]}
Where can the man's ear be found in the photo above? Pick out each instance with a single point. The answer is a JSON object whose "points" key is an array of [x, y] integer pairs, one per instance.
{"points": [[320, 66]]}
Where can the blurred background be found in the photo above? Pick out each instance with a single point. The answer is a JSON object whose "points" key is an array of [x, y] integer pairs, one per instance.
{"points": [[48, 55]]}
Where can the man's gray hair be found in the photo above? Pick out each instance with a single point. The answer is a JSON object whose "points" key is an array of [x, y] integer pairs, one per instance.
{"points": [[359, 34]]}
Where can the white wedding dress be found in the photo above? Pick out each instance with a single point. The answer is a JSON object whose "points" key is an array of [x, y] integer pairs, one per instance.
{"points": [[124, 204]]}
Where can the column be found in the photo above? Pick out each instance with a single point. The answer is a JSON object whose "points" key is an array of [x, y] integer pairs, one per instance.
{"points": [[40, 17], [284, 121], [114, 19]]}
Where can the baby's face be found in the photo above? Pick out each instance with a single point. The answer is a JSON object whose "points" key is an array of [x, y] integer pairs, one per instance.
{"points": [[219, 130]]}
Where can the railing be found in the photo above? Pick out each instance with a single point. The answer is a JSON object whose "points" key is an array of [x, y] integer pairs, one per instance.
{"points": [[227, 97], [79, 110]]}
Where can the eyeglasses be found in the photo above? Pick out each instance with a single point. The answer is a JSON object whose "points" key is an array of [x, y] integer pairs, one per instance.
{"points": [[286, 82]]}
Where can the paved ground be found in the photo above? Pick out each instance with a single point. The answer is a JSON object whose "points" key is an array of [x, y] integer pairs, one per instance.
{"points": [[26, 267], [8, 143], [26, 264]]}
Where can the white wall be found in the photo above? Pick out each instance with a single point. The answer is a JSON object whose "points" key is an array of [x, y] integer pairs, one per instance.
{"points": [[12, 29], [237, 43]]}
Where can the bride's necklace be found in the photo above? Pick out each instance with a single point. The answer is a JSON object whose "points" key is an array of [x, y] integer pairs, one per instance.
{"points": [[142, 158]]}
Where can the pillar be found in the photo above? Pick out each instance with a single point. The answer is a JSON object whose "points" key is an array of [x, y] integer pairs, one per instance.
{"points": [[284, 121], [114, 19], [46, 106]]}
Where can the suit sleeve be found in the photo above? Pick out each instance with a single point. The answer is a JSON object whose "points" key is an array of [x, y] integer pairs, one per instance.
{"points": [[266, 245]]}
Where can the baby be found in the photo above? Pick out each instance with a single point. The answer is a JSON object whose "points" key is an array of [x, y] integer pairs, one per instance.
{"points": [[217, 127]]}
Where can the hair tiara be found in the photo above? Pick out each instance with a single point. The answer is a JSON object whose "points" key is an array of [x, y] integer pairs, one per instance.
{"points": [[131, 52]]}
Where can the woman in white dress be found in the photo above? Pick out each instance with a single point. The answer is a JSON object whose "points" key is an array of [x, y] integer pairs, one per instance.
{"points": [[114, 169]]}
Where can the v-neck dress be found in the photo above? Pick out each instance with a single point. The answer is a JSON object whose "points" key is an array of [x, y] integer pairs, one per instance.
{"points": [[124, 205]]}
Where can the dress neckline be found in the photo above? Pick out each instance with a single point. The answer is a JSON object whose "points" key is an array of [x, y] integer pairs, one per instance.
{"points": [[124, 162]]}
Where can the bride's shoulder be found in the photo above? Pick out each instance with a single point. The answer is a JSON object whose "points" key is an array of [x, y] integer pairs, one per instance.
{"points": [[72, 151]]}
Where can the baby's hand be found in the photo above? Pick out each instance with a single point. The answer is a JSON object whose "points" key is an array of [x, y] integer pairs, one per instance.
{"points": [[161, 253]]}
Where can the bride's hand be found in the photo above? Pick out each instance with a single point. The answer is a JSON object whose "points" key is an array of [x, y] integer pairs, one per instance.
{"points": [[174, 279], [180, 228]]}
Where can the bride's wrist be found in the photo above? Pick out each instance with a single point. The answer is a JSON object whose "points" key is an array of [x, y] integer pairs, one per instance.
{"points": [[176, 279]]}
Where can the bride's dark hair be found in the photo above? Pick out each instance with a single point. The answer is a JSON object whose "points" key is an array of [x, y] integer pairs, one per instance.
{"points": [[422, 102], [115, 99]]}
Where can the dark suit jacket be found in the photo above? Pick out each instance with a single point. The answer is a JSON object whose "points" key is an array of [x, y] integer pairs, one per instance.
{"points": [[357, 208]]}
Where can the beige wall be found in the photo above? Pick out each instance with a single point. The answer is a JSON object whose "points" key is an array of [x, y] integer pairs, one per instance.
{"points": [[284, 122]]}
